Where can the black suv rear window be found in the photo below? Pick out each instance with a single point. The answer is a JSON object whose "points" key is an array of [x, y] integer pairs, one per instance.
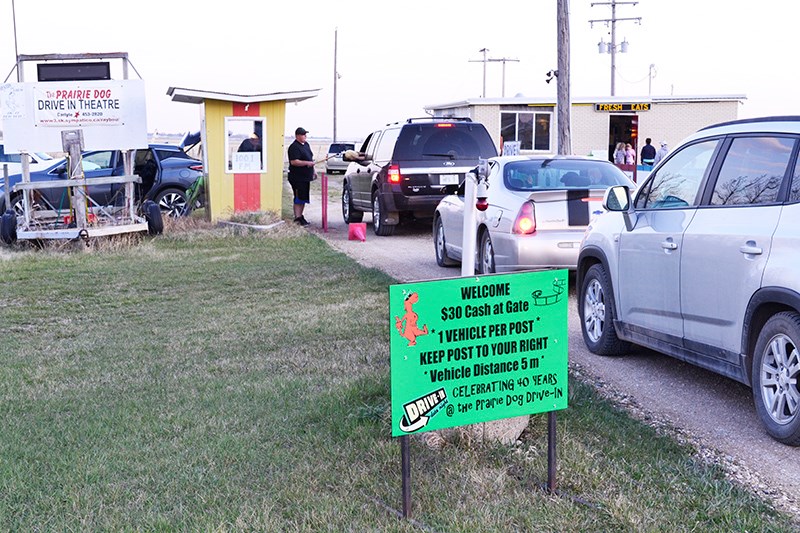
{"points": [[448, 140]]}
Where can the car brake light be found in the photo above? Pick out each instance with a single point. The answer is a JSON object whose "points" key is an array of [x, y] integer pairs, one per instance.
{"points": [[393, 175], [525, 223], [444, 125], [198, 168]]}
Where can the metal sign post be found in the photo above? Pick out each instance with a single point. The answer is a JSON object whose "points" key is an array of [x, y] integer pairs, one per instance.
{"points": [[72, 141], [6, 191], [405, 467]]}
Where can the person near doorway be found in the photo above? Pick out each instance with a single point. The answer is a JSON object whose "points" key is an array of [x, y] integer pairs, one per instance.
{"points": [[619, 154], [630, 155], [662, 153], [301, 173], [648, 153]]}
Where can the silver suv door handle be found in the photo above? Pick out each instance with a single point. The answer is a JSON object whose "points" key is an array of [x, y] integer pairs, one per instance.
{"points": [[751, 249], [669, 245]]}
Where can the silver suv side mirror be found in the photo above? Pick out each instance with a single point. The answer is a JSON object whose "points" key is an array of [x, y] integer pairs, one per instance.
{"points": [[618, 199]]}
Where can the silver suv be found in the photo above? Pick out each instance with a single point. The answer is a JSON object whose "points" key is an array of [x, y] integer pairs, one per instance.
{"points": [[702, 263]]}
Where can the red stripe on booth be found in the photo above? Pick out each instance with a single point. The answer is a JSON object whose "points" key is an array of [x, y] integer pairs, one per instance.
{"points": [[246, 187]]}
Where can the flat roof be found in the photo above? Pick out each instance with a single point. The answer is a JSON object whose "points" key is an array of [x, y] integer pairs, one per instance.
{"points": [[539, 101], [197, 96]]}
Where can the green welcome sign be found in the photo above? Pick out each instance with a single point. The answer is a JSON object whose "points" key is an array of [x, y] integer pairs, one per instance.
{"points": [[476, 349]]}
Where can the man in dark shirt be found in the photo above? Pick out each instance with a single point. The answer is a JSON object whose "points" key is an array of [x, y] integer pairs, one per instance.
{"points": [[648, 153], [301, 173]]}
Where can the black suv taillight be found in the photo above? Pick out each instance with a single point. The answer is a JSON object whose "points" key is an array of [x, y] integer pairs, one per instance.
{"points": [[393, 175]]}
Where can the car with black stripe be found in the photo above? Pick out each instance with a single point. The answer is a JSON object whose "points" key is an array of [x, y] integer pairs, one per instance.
{"points": [[538, 210], [404, 169]]}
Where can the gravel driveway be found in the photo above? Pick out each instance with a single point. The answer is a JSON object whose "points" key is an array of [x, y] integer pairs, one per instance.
{"points": [[715, 414]]}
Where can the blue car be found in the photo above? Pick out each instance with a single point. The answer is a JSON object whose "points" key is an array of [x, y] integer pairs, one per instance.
{"points": [[166, 172]]}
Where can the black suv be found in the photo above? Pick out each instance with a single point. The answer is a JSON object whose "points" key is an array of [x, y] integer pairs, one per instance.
{"points": [[404, 169]]}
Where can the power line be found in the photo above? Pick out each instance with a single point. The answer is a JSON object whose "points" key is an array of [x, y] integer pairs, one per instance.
{"points": [[485, 60]]}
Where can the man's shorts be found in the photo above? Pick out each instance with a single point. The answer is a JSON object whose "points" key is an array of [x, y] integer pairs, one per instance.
{"points": [[300, 190]]}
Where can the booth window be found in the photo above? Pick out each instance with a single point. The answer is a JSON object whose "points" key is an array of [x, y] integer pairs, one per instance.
{"points": [[531, 130], [245, 151]]}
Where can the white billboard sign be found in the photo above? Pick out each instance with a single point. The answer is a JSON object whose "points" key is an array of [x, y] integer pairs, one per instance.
{"points": [[111, 114]]}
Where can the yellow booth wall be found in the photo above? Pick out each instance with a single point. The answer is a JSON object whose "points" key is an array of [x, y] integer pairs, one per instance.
{"points": [[231, 193]]}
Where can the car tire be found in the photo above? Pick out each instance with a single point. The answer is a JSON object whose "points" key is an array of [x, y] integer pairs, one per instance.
{"points": [[440, 245], [16, 204], [597, 314], [155, 221], [348, 213], [776, 371], [172, 202], [486, 264], [8, 227], [381, 229]]}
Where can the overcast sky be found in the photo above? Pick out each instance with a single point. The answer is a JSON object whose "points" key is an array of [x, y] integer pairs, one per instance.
{"points": [[396, 58]]}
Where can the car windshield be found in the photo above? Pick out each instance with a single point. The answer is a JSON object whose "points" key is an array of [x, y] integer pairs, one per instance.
{"points": [[545, 174]]}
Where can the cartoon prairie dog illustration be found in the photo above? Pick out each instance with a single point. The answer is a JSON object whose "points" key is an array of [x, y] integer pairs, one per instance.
{"points": [[411, 331]]}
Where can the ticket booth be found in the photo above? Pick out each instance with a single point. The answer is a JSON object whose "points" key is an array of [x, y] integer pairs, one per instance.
{"points": [[242, 138]]}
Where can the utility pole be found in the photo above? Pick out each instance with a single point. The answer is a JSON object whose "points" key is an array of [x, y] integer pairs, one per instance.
{"points": [[484, 60], [504, 61], [16, 50], [563, 103], [611, 48], [335, 77]]}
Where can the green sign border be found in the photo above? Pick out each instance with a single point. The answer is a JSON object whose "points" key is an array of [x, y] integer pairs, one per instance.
{"points": [[479, 348]]}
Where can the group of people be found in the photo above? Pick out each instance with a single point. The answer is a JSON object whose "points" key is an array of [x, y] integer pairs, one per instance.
{"points": [[624, 154]]}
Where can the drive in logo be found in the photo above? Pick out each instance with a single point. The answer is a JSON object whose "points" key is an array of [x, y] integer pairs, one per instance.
{"points": [[418, 412]]}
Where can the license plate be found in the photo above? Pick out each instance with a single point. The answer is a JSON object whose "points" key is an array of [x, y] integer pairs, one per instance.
{"points": [[448, 179]]}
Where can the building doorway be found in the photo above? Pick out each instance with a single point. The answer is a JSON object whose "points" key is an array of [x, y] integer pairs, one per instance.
{"points": [[625, 129]]}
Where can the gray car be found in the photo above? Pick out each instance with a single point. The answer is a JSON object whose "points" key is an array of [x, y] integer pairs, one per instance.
{"points": [[333, 161], [701, 263]]}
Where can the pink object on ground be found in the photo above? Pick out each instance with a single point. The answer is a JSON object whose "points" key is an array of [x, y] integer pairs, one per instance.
{"points": [[357, 231]]}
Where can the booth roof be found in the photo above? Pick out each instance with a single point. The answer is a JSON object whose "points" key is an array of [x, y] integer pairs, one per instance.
{"points": [[195, 96]]}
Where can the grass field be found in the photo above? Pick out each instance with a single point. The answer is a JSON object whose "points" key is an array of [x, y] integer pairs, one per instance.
{"points": [[218, 380]]}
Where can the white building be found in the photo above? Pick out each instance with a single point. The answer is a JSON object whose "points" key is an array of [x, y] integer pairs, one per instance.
{"points": [[597, 123]]}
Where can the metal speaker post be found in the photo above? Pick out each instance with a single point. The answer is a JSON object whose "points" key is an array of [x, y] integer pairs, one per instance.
{"points": [[324, 201]]}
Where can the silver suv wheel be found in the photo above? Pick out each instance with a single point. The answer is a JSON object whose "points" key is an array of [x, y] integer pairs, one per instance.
{"points": [[776, 377], [594, 310]]}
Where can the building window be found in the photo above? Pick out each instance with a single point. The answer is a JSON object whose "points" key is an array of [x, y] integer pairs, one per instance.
{"points": [[531, 130]]}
